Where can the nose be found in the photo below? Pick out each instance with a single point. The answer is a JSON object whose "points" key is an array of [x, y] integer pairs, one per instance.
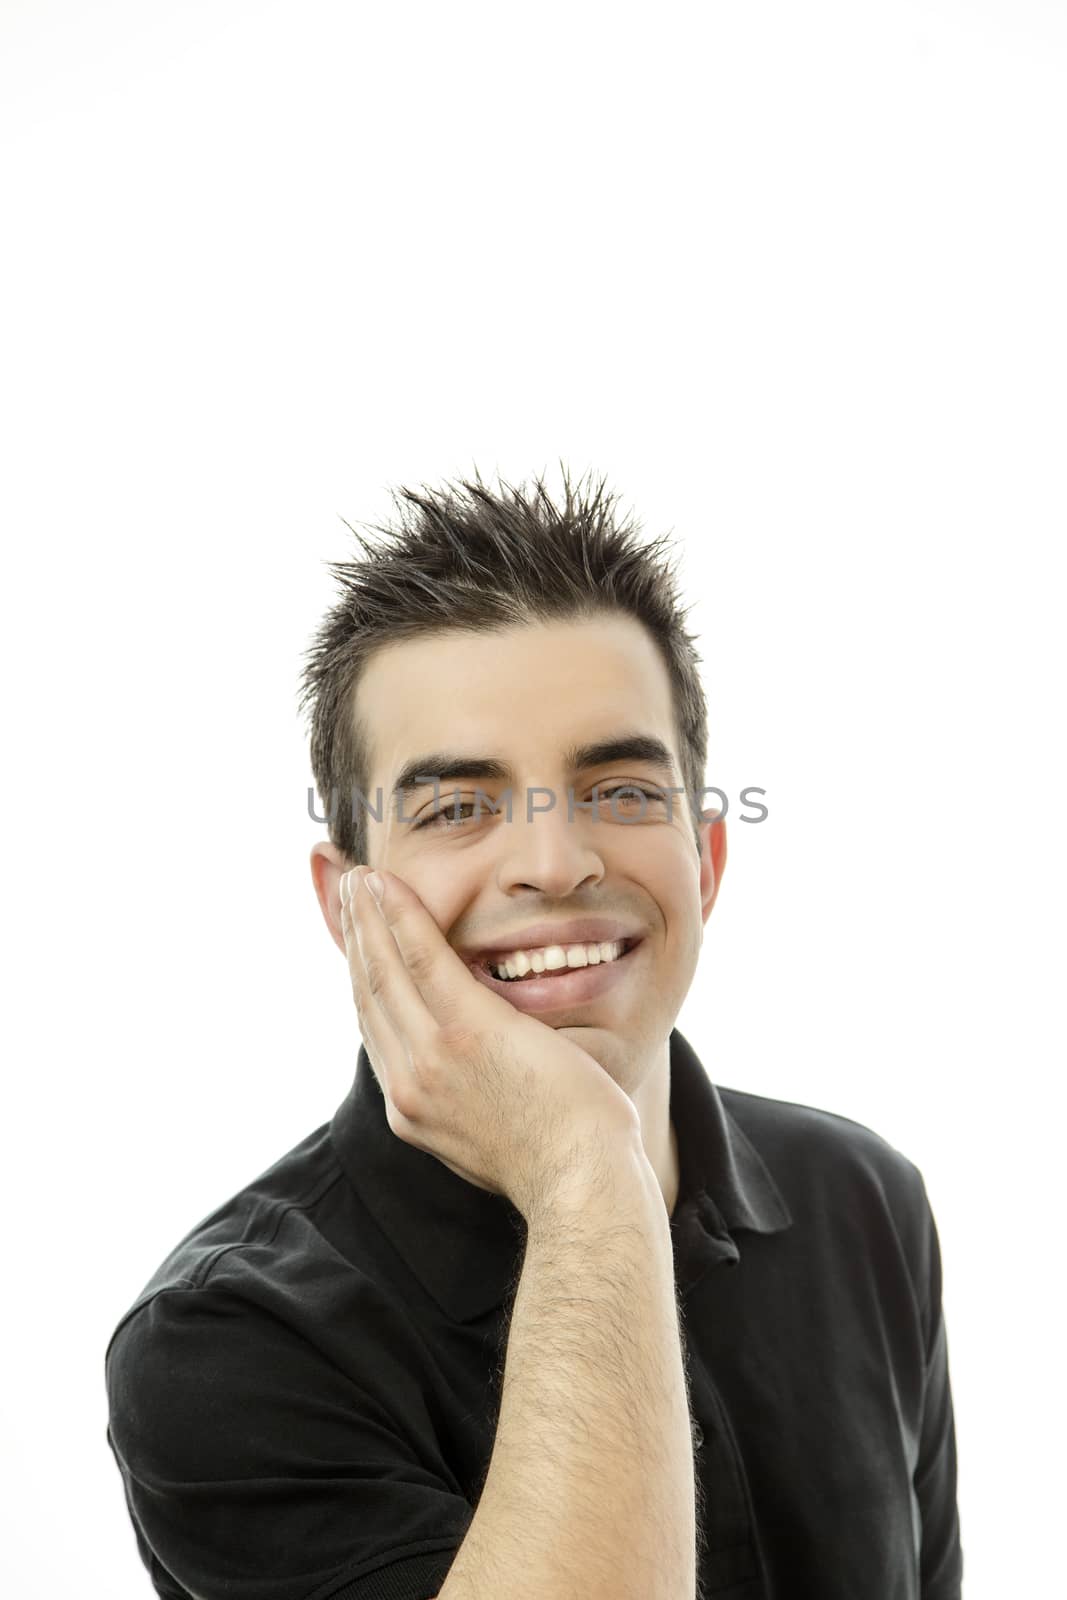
{"points": [[549, 844]]}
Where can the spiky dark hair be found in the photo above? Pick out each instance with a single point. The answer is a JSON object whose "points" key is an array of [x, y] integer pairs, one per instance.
{"points": [[467, 558]]}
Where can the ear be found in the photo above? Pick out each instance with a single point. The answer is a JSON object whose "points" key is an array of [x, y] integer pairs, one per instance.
{"points": [[712, 859], [328, 867]]}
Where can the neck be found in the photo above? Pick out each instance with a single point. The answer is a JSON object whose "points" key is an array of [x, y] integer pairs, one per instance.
{"points": [[653, 1102]]}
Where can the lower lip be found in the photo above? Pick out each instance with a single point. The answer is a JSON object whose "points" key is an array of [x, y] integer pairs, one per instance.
{"points": [[572, 988]]}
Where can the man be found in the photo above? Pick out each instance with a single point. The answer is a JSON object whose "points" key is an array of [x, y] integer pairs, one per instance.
{"points": [[540, 1311]]}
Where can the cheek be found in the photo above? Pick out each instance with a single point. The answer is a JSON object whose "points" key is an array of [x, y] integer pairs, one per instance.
{"points": [[677, 895], [444, 895], [684, 931], [665, 862]]}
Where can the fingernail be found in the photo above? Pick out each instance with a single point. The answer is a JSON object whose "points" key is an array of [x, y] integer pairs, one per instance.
{"points": [[374, 884]]}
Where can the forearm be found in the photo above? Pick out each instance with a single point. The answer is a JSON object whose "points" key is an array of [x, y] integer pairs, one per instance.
{"points": [[590, 1490]]}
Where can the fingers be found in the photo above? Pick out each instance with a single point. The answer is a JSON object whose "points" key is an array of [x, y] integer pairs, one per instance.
{"points": [[396, 1026], [437, 986], [389, 984], [374, 1034]]}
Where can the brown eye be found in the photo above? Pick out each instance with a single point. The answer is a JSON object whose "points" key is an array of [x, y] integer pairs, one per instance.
{"points": [[631, 791], [447, 815]]}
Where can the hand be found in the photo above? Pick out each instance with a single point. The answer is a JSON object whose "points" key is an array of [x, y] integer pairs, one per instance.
{"points": [[510, 1103]]}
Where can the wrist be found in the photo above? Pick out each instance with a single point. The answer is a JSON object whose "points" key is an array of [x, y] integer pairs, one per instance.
{"points": [[595, 1187]]}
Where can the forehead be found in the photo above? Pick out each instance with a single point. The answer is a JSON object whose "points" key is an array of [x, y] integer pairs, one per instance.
{"points": [[528, 691]]}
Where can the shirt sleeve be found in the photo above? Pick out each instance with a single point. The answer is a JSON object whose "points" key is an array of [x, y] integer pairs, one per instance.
{"points": [[941, 1558], [255, 1469]]}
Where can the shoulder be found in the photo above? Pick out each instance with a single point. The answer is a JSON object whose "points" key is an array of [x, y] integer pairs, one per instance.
{"points": [[198, 1375], [256, 1222], [852, 1195], [261, 1435], [822, 1154], [231, 1309]]}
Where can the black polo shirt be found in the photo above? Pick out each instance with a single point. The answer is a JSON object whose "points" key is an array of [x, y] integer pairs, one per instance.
{"points": [[303, 1398]]}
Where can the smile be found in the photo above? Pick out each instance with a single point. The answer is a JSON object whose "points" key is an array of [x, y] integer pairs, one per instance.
{"points": [[561, 985]]}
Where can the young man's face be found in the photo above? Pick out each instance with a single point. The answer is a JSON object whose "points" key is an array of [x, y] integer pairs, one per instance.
{"points": [[526, 698]]}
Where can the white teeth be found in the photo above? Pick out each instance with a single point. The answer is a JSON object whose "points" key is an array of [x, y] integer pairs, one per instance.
{"points": [[555, 957]]}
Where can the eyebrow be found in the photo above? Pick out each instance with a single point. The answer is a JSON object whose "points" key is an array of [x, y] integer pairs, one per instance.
{"points": [[444, 764]]}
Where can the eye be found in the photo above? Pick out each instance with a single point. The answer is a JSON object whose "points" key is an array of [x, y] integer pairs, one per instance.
{"points": [[632, 790], [447, 814]]}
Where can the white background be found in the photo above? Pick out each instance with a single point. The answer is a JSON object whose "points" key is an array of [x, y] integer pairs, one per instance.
{"points": [[792, 277]]}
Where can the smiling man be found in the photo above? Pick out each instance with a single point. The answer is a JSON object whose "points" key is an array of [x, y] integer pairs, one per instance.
{"points": [[538, 717], [541, 1310]]}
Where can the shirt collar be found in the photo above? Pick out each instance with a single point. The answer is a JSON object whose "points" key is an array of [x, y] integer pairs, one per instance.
{"points": [[464, 1244]]}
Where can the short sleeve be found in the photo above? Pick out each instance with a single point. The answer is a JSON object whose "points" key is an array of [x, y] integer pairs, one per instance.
{"points": [[256, 1469], [941, 1558]]}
